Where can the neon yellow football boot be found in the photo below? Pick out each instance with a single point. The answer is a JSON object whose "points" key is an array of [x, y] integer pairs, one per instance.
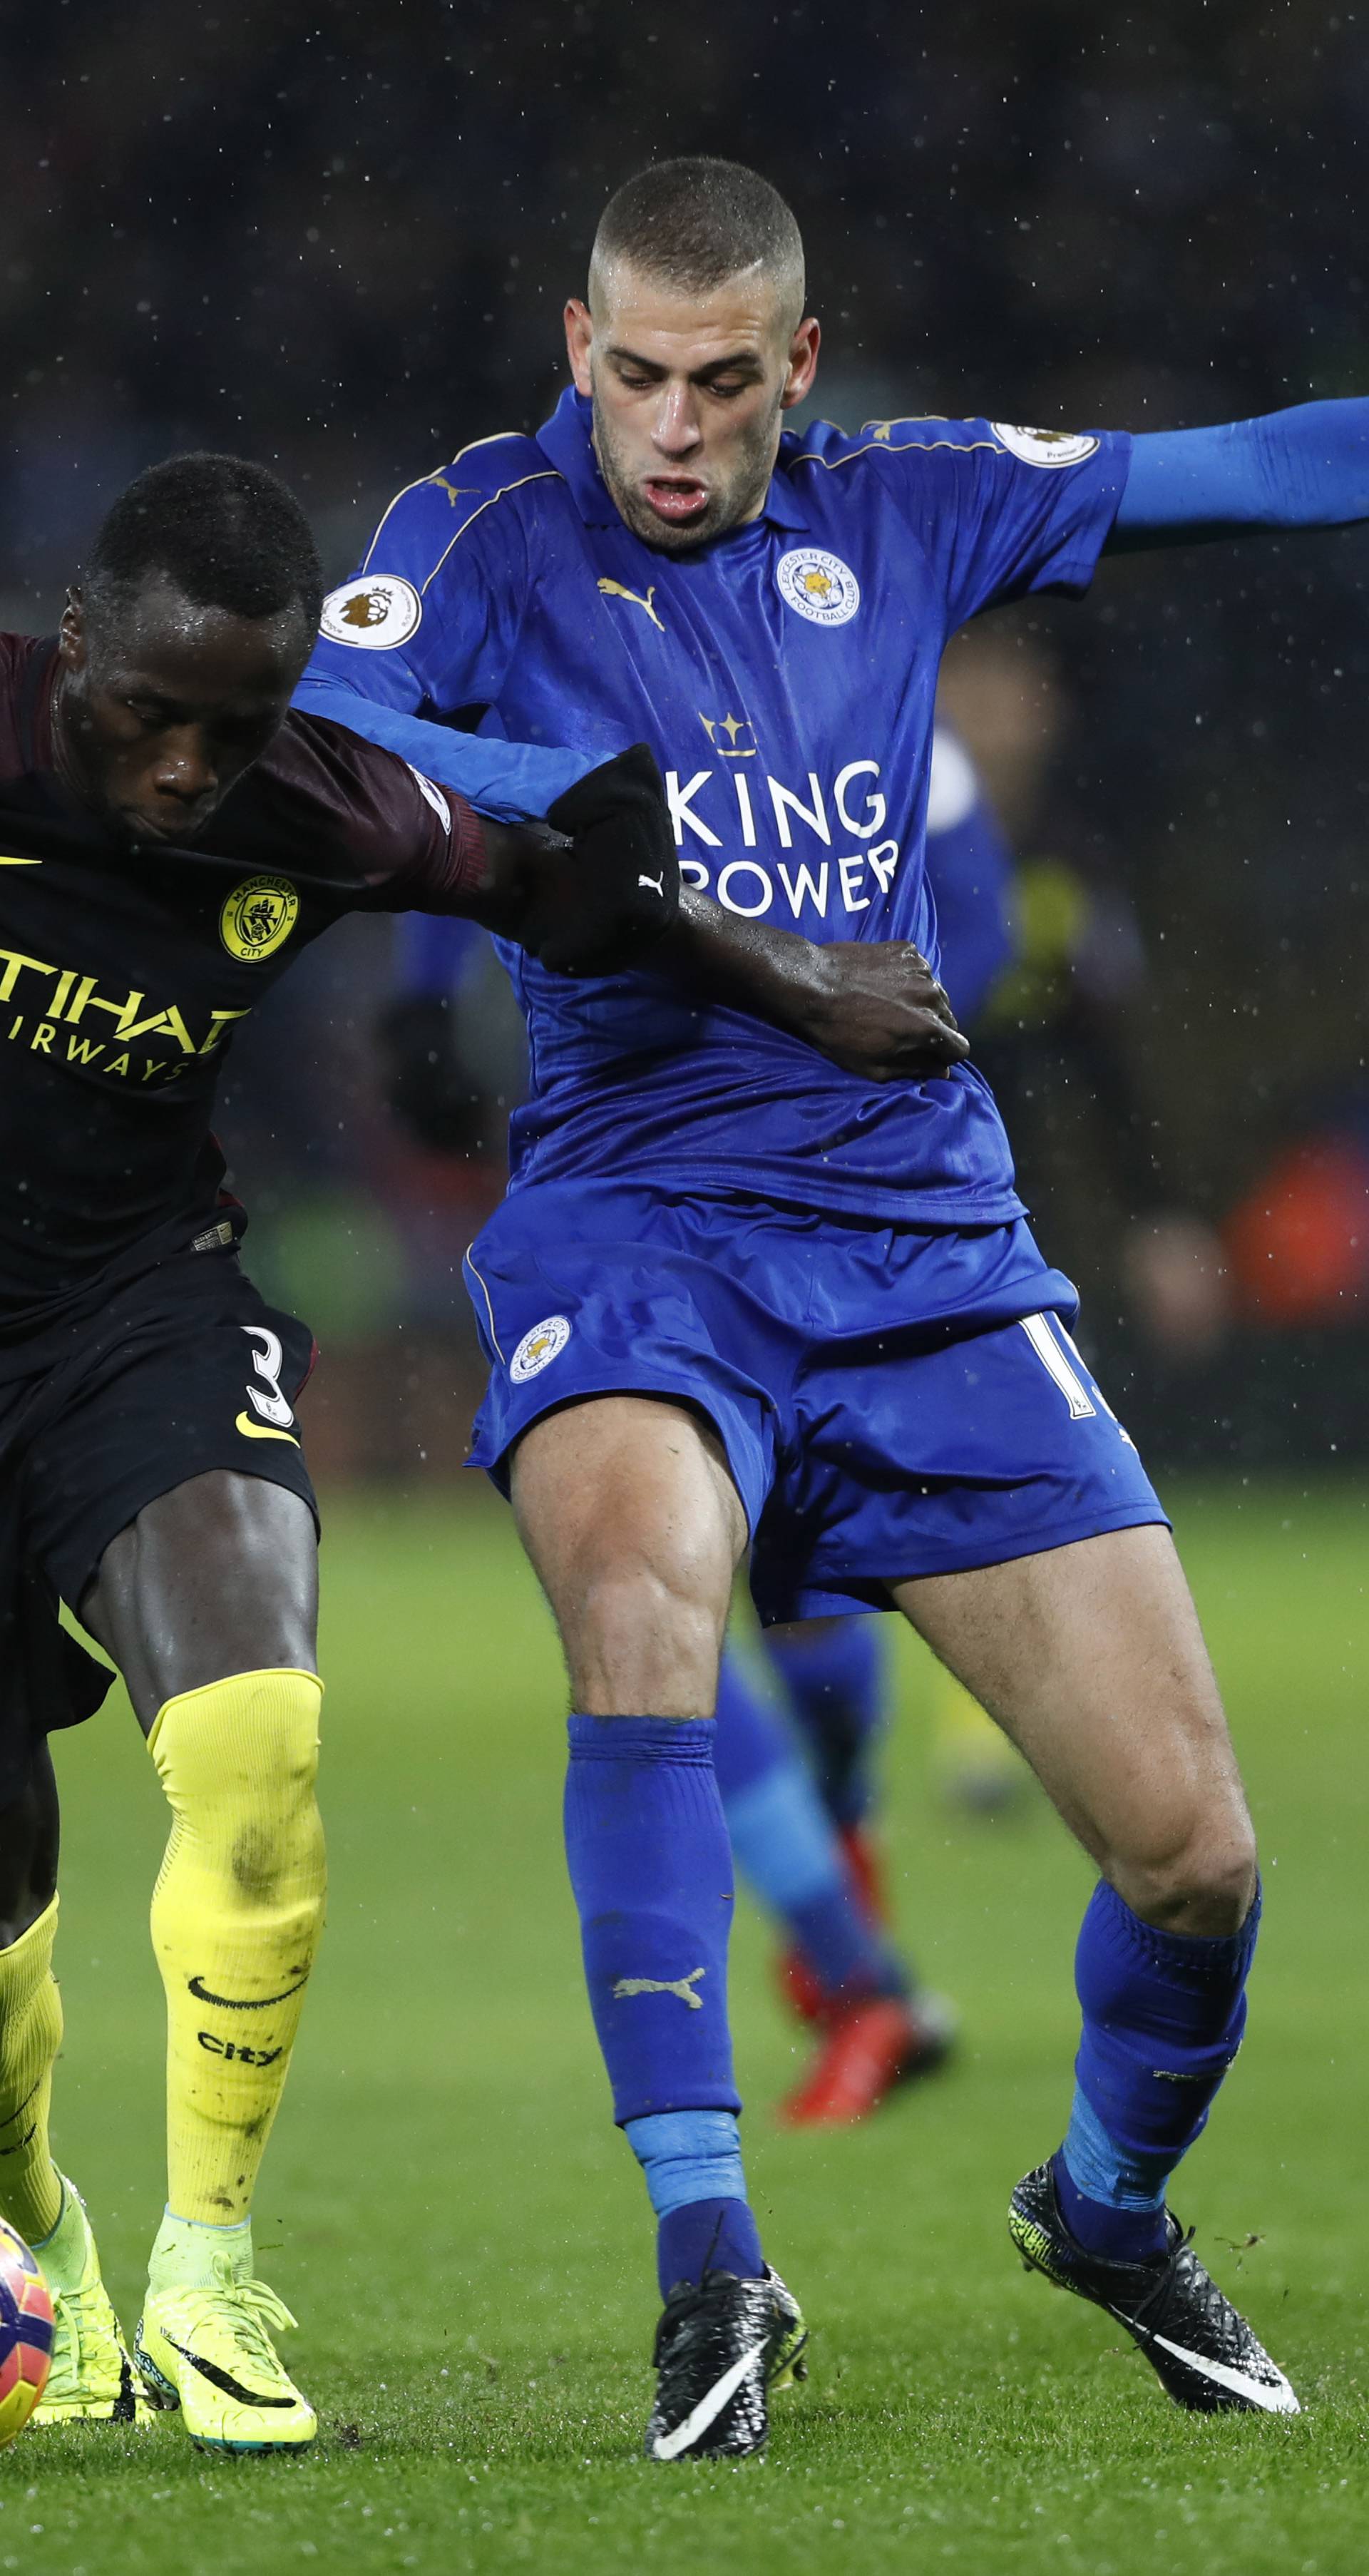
{"points": [[209, 2351], [92, 2380]]}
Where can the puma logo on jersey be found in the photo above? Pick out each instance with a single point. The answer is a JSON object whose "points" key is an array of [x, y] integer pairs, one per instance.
{"points": [[656, 884], [615, 590], [681, 1986]]}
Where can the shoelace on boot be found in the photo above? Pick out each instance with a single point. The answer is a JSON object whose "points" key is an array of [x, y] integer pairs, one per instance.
{"points": [[1153, 2312], [253, 2311], [64, 2378]]}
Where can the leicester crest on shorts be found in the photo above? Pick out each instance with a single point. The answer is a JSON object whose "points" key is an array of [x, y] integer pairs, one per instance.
{"points": [[378, 610], [258, 915], [539, 1348]]}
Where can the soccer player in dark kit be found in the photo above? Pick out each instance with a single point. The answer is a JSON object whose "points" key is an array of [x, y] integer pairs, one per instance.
{"points": [[167, 845], [169, 839]]}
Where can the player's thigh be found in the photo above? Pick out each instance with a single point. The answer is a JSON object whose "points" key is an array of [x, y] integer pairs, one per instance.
{"points": [[1091, 1658], [169, 1500], [29, 1835], [628, 1511], [219, 1576]]}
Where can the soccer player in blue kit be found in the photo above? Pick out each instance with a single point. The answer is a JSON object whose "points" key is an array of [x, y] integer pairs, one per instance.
{"points": [[795, 1747], [738, 1297]]}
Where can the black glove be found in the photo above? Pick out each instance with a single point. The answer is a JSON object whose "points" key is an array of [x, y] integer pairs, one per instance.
{"points": [[424, 1082], [622, 888]]}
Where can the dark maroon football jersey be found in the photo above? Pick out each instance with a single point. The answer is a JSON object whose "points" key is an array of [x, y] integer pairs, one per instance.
{"points": [[125, 968]]}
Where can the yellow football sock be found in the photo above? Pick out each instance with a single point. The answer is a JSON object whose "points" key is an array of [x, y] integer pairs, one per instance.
{"points": [[30, 2036], [236, 1917]]}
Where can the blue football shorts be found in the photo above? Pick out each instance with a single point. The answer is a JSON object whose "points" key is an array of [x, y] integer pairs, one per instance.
{"points": [[893, 1401]]}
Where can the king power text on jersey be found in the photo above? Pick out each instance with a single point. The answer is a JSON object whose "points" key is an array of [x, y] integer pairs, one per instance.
{"points": [[716, 809]]}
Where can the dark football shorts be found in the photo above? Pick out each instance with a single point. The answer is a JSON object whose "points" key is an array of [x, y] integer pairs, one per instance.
{"points": [[185, 1370]]}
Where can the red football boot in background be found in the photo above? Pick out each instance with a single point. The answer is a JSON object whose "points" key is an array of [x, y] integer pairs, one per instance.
{"points": [[865, 1861], [867, 2049], [799, 1988]]}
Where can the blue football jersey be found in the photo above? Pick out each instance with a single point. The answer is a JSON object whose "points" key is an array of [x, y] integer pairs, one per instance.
{"points": [[969, 872], [785, 677]]}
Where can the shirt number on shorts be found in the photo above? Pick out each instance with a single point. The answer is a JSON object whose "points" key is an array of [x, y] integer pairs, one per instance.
{"points": [[267, 1357], [1053, 1348]]}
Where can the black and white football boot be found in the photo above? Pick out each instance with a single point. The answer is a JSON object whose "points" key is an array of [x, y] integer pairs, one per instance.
{"points": [[1199, 2346], [722, 2345]]}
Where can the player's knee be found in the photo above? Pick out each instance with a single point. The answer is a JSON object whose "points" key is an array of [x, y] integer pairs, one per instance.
{"points": [[1202, 1882], [239, 1761], [645, 1641]]}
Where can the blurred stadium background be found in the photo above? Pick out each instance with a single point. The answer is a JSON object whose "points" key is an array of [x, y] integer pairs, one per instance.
{"points": [[341, 239]]}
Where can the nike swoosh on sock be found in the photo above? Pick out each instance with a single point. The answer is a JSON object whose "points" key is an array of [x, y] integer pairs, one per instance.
{"points": [[243, 2003]]}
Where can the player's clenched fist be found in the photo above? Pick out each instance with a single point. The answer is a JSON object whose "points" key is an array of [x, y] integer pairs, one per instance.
{"points": [[878, 1010], [595, 887], [622, 890]]}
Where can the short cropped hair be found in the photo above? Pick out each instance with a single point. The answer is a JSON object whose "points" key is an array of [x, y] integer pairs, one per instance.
{"points": [[694, 222], [228, 533]]}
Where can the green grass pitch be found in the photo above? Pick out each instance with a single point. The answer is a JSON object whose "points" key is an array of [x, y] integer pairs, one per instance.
{"points": [[466, 2241]]}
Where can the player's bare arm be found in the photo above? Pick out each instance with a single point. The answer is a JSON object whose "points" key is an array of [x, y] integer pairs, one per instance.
{"points": [[876, 1008]]}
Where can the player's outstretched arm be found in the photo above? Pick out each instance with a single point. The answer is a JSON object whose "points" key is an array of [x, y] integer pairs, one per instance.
{"points": [[597, 886], [873, 1006], [1307, 467]]}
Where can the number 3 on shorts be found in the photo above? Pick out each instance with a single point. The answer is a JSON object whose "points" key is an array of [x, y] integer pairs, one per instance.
{"points": [[1053, 1349], [267, 1355]]}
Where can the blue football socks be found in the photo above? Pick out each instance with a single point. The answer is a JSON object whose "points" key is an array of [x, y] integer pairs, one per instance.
{"points": [[651, 1868], [787, 1847], [833, 1672], [692, 2161], [1163, 2017]]}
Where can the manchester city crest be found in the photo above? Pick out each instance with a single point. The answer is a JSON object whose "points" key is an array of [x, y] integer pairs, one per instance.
{"points": [[818, 584], [377, 611], [259, 914]]}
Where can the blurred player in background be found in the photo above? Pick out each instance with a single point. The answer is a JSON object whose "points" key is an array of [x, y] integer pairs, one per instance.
{"points": [[733, 1298]]}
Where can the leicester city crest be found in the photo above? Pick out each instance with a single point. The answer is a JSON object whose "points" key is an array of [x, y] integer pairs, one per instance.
{"points": [[259, 914], [818, 584], [539, 1348]]}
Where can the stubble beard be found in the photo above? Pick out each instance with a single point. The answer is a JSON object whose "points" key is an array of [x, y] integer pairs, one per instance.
{"points": [[728, 505]]}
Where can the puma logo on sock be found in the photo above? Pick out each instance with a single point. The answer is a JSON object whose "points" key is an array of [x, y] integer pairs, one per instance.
{"points": [[681, 1986]]}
